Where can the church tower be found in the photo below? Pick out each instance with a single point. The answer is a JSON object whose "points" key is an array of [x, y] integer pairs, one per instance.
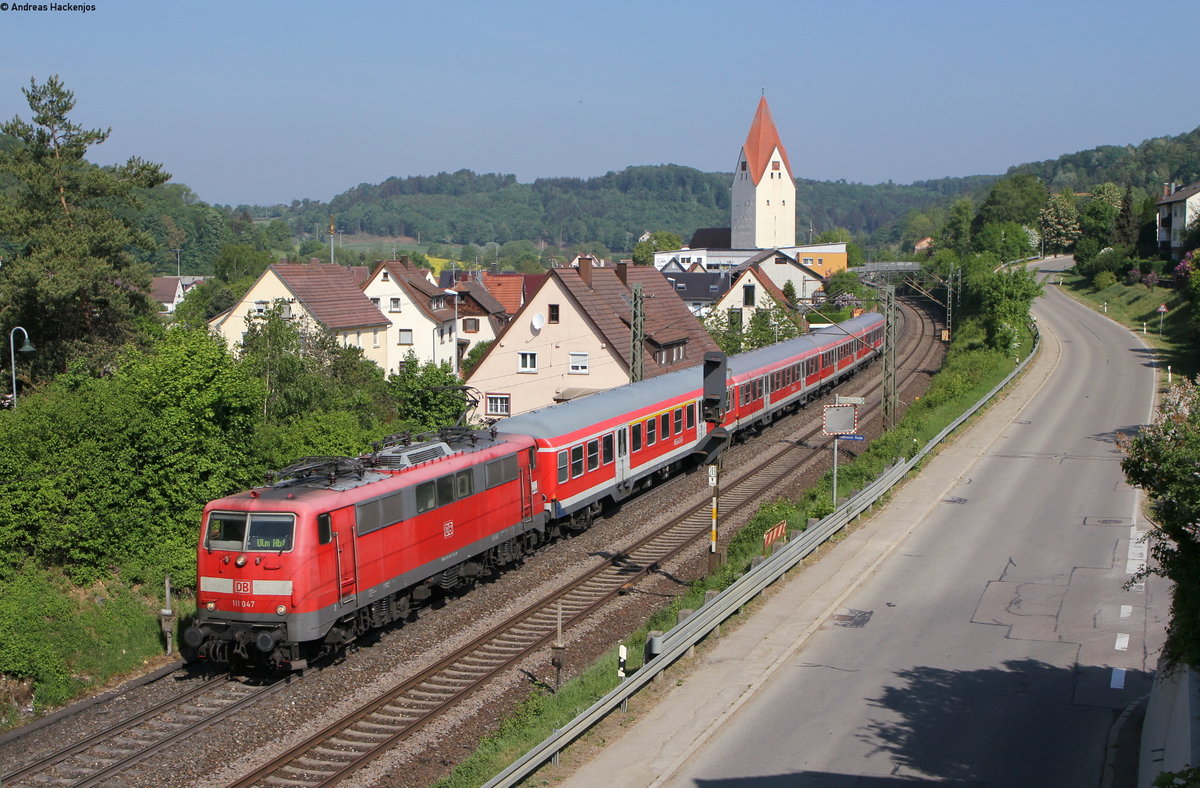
{"points": [[764, 193]]}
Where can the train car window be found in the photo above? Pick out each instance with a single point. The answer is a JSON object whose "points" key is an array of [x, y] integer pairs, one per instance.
{"points": [[593, 455], [270, 533], [650, 430], [665, 426], [445, 490], [678, 421], [635, 437], [392, 510], [226, 531], [563, 473], [464, 485], [691, 415], [606, 448], [367, 517], [324, 529], [576, 461], [426, 497]]}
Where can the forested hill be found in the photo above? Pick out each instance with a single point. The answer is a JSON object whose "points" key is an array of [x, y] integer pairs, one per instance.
{"points": [[1146, 166], [613, 209]]}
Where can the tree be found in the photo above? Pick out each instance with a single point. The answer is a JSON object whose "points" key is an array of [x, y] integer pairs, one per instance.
{"points": [[854, 253], [643, 251], [725, 330], [1006, 297], [844, 282], [426, 394], [956, 232], [69, 276], [1018, 198], [1162, 458], [789, 292], [1059, 222], [1008, 240], [240, 261]]}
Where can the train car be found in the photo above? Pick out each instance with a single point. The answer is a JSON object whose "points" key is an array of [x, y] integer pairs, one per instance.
{"points": [[339, 546]]}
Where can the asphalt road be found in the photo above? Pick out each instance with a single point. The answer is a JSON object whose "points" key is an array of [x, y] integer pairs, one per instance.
{"points": [[976, 633]]}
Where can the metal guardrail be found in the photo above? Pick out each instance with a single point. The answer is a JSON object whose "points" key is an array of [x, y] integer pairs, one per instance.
{"points": [[700, 624]]}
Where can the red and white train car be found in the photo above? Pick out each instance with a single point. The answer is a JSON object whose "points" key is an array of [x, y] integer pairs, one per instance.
{"points": [[342, 545]]}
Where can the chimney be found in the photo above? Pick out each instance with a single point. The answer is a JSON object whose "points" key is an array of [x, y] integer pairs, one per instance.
{"points": [[585, 271], [1166, 190], [623, 272]]}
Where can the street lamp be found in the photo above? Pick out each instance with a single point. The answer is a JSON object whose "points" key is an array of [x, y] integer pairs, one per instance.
{"points": [[455, 333], [12, 357]]}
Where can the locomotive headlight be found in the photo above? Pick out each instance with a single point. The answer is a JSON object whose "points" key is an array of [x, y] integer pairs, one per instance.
{"points": [[281, 609], [241, 560], [211, 606]]}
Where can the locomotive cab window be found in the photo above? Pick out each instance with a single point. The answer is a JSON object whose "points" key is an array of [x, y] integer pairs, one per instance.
{"points": [[260, 532], [324, 529]]}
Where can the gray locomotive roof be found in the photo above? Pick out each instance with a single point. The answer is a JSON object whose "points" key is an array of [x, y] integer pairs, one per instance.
{"points": [[577, 414]]}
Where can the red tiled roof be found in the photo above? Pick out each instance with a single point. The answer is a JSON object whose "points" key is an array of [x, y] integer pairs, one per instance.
{"points": [[667, 317], [761, 141], [508, 289], [331, 294]]}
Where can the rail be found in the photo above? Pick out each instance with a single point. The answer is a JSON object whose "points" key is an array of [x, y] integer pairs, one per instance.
{"points": [[699, 625]]}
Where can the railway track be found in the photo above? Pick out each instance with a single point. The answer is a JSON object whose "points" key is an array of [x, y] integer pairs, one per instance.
{"points": [[347, 744], [125, 743]]}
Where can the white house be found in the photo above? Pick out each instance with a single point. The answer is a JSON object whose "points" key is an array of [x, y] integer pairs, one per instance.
{"points": [[1177, 210], [420, 314]]}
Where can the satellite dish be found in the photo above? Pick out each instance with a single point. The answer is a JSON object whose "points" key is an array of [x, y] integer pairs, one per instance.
{"points": [[538, 321]]}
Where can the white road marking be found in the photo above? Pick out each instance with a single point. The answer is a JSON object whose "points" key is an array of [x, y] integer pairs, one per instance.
{"points": [[1118, 679], [1122, 642], [1126, 611], [1135, 559]]}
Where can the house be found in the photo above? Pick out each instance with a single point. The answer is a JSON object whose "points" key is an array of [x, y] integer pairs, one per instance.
{"points": [[751, 290], [699, 289], [168, 291], [1177, 210], [480, 316], [312, 295], [573, 337], [420, 315]]}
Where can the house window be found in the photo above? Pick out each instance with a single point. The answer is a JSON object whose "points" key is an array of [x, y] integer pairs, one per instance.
{"points": [[748, 295], [375, 338], [498, 405], [375, 301], [405, 336], [808, 261], [385, 277], [260, 307], [743, 166], [470, 325], [579, 363], [553, 311], [527, 362], [820, 261], [394, 305]]}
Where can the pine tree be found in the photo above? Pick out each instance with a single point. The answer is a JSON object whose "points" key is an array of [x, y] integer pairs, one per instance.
{"points": [[69, 277]]}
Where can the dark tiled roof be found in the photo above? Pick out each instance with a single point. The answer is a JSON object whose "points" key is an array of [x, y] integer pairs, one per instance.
{"points": [[421, 291], [712, 238], [698, 286], [163, 289], [667, 319], [1182, 194], [331, 294], [481, 295]]}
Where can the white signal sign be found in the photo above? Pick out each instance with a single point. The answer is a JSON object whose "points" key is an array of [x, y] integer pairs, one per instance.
{"points": [[840, 420]]}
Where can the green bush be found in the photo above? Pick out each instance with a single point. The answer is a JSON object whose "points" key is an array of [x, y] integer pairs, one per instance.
{"points": [[1104, 279]]}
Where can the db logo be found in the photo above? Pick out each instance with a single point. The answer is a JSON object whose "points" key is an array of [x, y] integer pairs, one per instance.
{"points": [[241, 586], [448, 529]]}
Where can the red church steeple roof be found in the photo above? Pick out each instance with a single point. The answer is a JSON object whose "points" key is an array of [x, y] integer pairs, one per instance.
{"points": [[761, 141]]}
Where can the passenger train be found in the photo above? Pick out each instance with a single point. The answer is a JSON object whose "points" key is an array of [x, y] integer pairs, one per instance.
{"points": [[339, 546]]}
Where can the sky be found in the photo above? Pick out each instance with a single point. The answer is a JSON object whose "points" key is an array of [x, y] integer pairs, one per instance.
{"points": [[269, 101]]}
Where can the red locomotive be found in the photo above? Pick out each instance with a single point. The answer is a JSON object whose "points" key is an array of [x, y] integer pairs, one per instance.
{"points": [[339, 546]]}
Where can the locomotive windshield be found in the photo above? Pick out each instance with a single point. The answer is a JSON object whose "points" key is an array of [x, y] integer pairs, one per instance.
{"points": [[255, 532]]}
